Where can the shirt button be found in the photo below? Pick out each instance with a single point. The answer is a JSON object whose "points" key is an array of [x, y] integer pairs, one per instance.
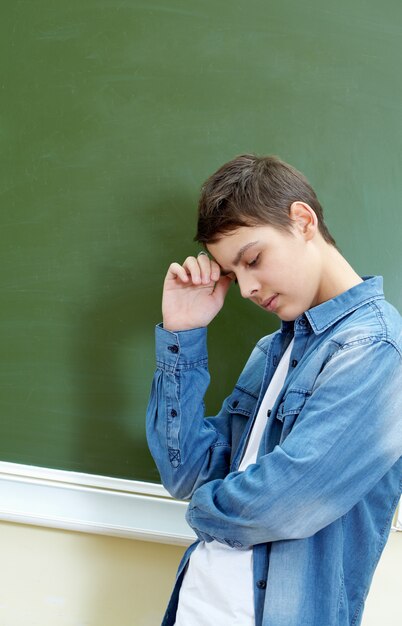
{"points": [[174, 349], [173, 413], [303, 322], [261, 584], [294, 363], [269, 412]]}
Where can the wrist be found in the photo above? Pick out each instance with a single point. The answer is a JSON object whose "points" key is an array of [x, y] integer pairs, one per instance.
{"points": [[175, 327]]}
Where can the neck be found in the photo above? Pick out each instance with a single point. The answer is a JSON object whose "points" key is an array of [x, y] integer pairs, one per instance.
{"points": [[337, 275]]}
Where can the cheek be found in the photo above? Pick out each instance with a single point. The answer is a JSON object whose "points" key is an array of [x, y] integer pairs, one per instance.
{"points": [[293, 280], [286, 274]]}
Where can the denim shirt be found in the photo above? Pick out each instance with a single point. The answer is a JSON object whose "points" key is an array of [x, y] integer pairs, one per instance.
{"points": [[317, 505]]}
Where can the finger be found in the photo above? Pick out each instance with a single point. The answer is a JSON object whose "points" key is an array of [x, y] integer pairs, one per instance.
{"points": [[222, 287], [215, 270], [193, 268], [210, 270], [206, 268], [177, 271]]}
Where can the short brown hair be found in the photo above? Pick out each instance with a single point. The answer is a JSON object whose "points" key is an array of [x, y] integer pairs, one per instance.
{"points": [[252, 190]]}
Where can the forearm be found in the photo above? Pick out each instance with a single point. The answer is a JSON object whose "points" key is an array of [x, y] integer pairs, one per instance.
{"points": [[284, 498], [188, 450]]}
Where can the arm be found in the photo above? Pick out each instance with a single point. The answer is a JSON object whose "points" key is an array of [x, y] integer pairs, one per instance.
{"points": [[347, 436], [187, 449], [190, 449]]}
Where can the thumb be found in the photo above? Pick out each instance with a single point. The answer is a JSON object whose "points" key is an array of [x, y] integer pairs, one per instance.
{"points": [[222, 287]]}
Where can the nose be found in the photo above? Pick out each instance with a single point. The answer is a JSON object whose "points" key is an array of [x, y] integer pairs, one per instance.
{"points": [[248, 286]]}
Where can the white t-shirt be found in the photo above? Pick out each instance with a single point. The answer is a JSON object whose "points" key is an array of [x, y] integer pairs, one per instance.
{"points": [[217, 588]]}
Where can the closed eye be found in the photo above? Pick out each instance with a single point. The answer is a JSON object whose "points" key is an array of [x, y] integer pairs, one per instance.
{"points": [[254, 261]]}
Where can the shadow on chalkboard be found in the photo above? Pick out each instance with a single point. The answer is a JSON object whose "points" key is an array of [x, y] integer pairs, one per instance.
{"points": [[106, 445], [114, 351]]}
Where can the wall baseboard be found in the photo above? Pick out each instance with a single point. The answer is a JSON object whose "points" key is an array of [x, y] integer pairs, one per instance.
{"points": [[92, 504]]}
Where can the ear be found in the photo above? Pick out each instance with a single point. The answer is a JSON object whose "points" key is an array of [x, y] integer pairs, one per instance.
{"points": [[304, 218]]}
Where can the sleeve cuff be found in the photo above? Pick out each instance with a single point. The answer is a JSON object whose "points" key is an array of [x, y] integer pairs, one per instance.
{"points": [[184, 348]]}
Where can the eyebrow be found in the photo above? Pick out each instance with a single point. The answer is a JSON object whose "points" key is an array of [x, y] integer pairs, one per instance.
{"points": [[239, 255]]}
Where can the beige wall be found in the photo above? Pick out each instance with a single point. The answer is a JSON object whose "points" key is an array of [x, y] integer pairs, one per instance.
{"points": [[59, 578]]}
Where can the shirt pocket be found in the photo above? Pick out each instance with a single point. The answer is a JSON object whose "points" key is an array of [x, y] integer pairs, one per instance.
{"points": [[289, 410], [241, 402]]}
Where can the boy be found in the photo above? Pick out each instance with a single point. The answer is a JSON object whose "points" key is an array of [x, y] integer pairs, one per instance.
{"points": [[293, 485]]}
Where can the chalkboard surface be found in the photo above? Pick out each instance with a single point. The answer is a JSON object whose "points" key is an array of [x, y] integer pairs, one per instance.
{"points": [[112, 116]]}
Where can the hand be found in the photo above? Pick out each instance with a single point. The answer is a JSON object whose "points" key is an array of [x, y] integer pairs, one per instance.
{"points": [[193, 293]]}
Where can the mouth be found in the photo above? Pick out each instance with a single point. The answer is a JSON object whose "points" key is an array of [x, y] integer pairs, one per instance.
{"points": [[270, 304]]}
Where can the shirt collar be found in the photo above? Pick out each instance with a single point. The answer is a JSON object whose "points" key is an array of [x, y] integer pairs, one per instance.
{"points": [[327, 313]]}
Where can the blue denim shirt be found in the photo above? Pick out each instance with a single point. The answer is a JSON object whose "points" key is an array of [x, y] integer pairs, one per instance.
{"points": [[318, 504]]}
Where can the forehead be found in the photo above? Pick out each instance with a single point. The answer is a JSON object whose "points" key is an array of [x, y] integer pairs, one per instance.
{"points": [[242, 243], [233, 241]]}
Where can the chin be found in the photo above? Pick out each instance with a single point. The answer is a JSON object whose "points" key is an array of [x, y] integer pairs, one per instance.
{"points": [[286, 318], [289, 317]]}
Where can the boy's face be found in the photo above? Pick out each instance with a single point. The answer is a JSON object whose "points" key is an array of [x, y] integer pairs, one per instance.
{"points": [[266, 261]]}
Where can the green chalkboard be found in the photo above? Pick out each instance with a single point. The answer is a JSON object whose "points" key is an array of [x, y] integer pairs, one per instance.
{"points": [[112, 116]]}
